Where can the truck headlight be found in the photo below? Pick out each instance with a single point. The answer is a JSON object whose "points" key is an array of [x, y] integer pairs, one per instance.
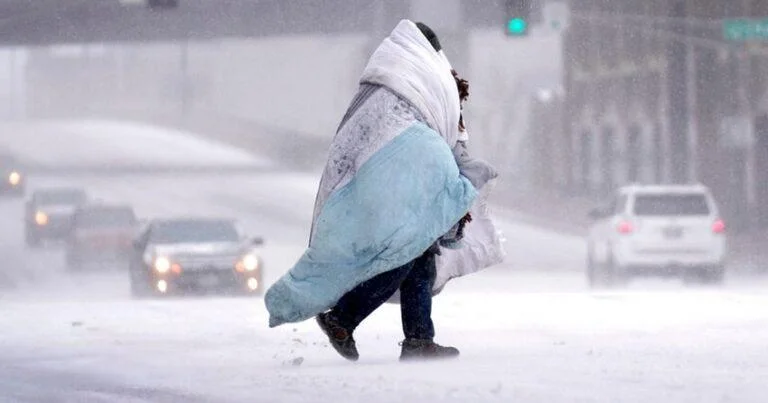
{"points": [[249, 263], [14, 178], [41, 218], [162, 265]]}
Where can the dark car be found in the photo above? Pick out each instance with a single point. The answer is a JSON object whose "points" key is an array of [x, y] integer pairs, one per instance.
{"points": [[194, 253], [100, 234], [12, 179], [48, 213]]}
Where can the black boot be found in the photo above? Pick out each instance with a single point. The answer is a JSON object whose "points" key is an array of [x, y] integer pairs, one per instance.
{"points": [[340, 338], [425, 349]]}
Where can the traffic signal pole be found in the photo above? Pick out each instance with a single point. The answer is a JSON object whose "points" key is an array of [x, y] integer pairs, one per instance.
{"points": [[518, 15], [745, 105]]}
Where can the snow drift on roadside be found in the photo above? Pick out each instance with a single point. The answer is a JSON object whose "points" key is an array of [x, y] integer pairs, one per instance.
{"points": [[91, 142]]}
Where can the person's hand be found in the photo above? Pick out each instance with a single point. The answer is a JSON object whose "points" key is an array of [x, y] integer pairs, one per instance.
{"points": [[467, 218]]}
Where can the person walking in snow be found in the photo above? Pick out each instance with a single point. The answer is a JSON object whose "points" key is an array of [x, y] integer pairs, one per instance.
{"points": [[415, 280], [390, 190]]}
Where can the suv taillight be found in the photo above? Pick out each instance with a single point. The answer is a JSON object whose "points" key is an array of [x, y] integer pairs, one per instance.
{"points": [[624, 227], [718, 227]]}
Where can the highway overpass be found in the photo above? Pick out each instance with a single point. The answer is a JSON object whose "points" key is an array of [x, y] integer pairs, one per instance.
{"points": [[41, 22]]}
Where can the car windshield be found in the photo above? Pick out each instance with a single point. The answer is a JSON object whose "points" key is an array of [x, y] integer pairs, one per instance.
{"points": [[671, 205], [105, 217], [69, 197], [195, 231]]}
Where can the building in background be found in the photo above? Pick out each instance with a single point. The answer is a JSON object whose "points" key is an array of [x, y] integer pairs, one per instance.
{"points": [[656, 94]]}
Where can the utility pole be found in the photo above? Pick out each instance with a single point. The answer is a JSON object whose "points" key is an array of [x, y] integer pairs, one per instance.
{"points": [[88, 79], [692, 100], [679, 112], [745, 106], [184, 64], [11, 82]]}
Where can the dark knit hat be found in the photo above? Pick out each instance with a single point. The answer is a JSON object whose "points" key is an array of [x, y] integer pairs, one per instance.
{"points": [[430, 35]]}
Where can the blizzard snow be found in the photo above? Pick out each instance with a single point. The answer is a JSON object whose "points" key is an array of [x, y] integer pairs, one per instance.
{"points": [[544, 347], [529, 330]]}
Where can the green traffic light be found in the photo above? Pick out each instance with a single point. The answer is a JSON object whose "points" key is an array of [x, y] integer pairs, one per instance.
{"points": [[517, 26]]}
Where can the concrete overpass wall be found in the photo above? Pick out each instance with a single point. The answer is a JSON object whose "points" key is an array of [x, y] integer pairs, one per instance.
{"points": [[290, 85]]}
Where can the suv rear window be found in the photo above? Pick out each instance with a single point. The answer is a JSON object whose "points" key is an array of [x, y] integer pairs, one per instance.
{"points": [[671, 205]]}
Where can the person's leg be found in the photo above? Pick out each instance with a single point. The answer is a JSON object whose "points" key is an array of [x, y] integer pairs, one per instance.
{"points": [[362, 300], [416, 298], [416, 311], [339, 323]]}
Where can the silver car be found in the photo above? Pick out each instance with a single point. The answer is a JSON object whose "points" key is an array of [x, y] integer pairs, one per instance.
{"points": [[176, 255]]}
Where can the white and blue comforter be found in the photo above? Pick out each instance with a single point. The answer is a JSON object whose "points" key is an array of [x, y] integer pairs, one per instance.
{"points": [[391, 186], [401, 199]]}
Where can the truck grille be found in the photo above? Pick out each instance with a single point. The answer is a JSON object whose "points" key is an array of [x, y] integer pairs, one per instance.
{"points": [[200, 263]]}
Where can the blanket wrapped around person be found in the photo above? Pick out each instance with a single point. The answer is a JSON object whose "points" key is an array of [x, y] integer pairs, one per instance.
{"points": [[391, 186]]}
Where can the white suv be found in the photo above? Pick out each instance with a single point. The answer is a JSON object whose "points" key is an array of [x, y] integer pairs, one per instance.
{"points": [[660, 230]]}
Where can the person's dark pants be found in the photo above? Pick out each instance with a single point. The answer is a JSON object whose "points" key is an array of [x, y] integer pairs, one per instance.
{"points": [[414, 279]]}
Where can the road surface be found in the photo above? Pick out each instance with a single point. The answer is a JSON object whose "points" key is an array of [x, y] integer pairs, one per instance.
{"points": [[529, 330]]}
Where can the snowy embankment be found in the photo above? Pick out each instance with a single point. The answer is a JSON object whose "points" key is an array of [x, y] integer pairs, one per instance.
{"points": [[109, 144]]}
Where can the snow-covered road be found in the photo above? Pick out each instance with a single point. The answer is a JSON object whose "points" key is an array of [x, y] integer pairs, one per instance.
{"points": [[529, 330]]}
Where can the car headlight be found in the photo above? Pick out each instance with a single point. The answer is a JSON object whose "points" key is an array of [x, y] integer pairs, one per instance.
{"points": [[41, 218], [14, 178], [162, 265], [249, 263]]}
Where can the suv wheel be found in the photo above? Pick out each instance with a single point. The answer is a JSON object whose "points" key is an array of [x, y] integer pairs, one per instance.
{"points": [[714, 275], [594, 272], [607, 275], [604, 275], [619, 276]]}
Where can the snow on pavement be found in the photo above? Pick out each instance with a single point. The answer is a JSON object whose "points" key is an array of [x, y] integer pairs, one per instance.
{"points": [[520, 341], [528, 330], [544, 347]]}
